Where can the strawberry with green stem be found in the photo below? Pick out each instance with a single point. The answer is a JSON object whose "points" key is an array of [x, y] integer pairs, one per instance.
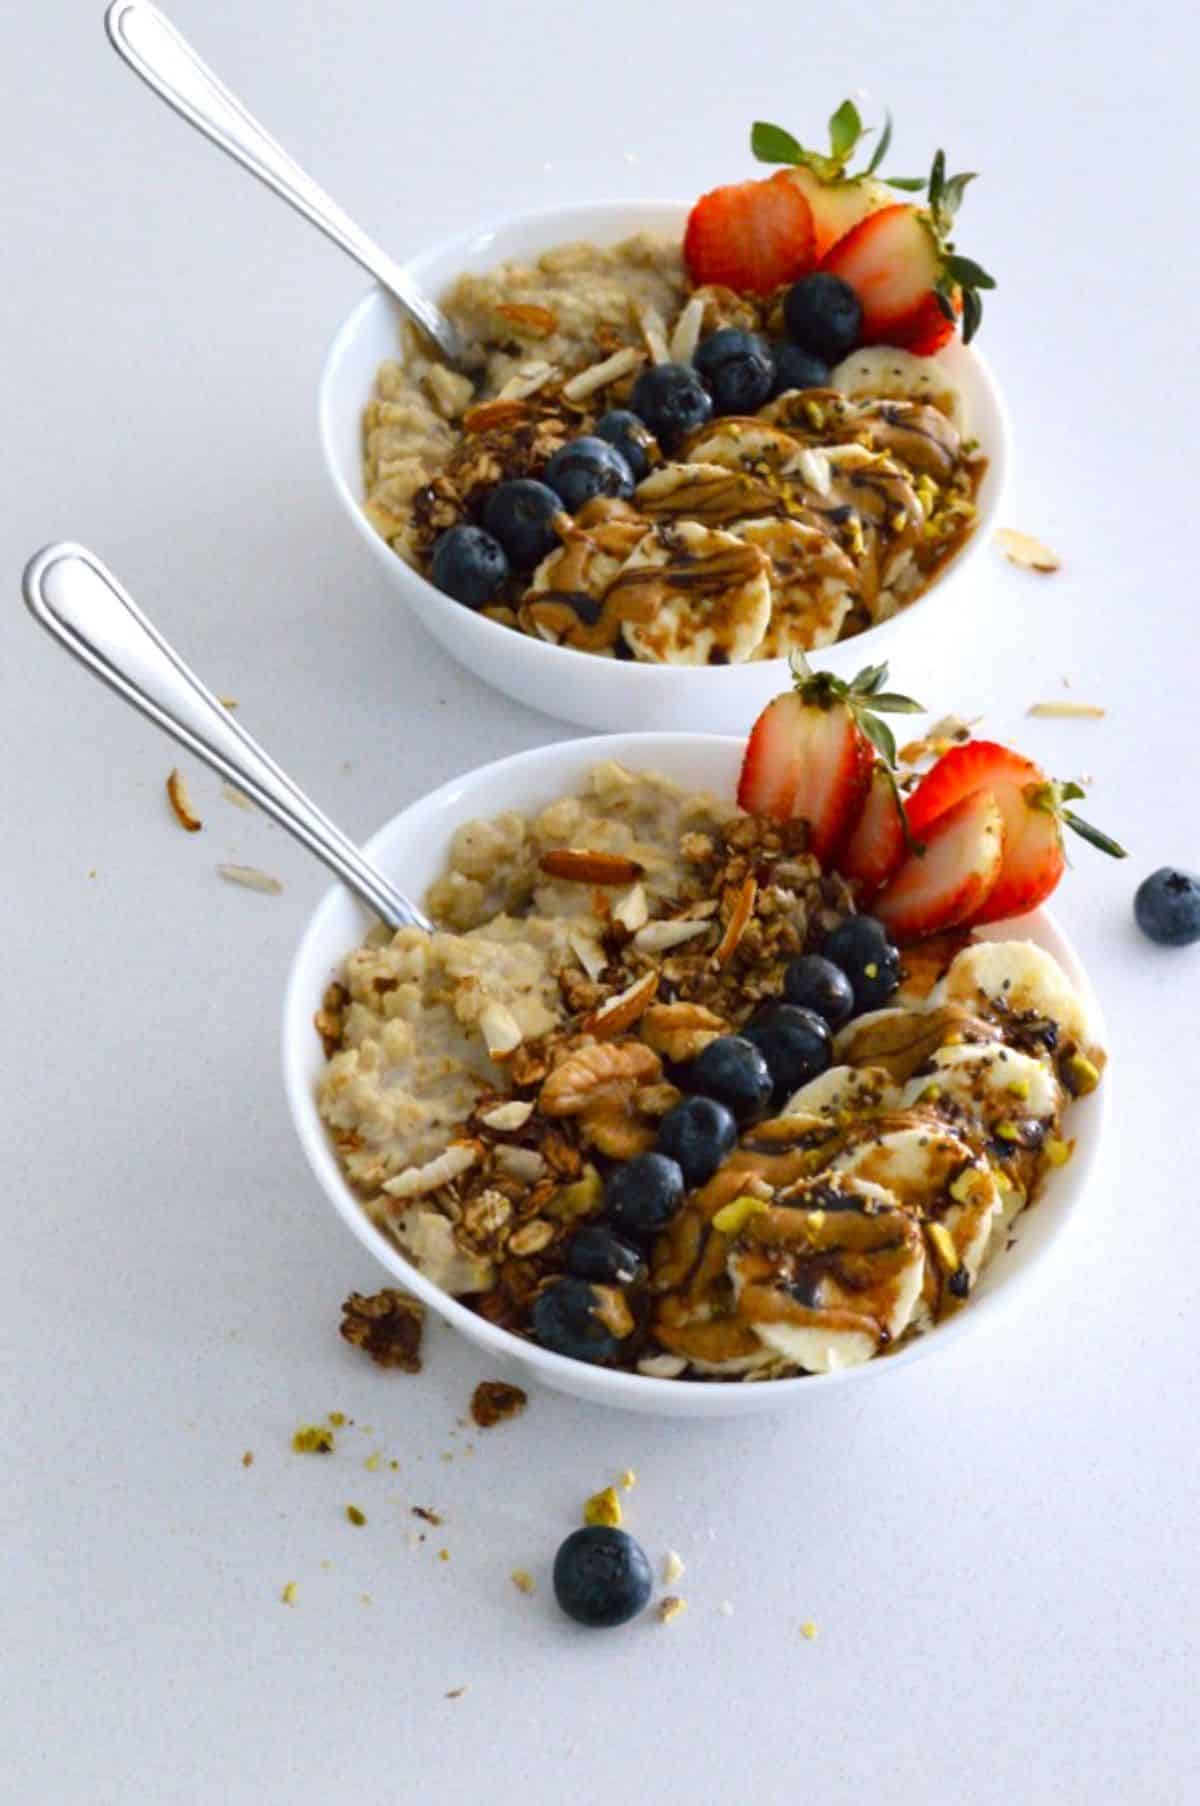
{"points": [[837, 198]]}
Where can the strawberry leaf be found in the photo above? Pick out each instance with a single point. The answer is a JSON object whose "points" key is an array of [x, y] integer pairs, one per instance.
{"points": [[937, 180], [771, 144], [878, 733], [912, 844], [1094, 836], [952, 194], [909, 184], [845, 130], [968, 272], [882, 148], [972, 314], [868, 680], [944, 295], [891, 704]]}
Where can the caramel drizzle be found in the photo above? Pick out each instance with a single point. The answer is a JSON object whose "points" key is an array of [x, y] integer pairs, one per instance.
{"points": [[635, 595]]}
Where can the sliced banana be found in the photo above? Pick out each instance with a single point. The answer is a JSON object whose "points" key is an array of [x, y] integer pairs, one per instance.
{"points": [[693, 596], [922, 1166], [1013, 979], [882, 370], [742, 444], [830, 1274], [710, 493], [812, 584], [917, 433], [992, 1083], [858, 1089]]}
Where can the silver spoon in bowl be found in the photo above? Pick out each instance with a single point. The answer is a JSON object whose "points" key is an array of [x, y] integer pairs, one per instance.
{"points": [[81, 605], [166, 62]]}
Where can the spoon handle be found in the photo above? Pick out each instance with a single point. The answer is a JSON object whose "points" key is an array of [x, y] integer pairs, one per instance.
{"points": [[154, 50], [81, 604]]}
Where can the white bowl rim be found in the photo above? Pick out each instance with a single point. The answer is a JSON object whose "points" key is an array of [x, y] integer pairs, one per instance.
{"points": [[636, 671], [610, 1385]]}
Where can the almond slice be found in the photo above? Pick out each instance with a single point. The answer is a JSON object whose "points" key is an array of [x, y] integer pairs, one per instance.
{"points": [[686, 333], [622, 1011], [237, 797], [1029, 553], [580, 866], [488, 414], [500, 1029], [1068, 711], [250, 878], [181, 803], [596, 376], [654, 332], [526, 314], [632, 911], [527, 381], [659, 937], [588, 952], [736, 926], [511, 1115]]}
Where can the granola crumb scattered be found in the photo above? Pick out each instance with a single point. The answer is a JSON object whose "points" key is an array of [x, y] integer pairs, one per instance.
{"points": [[355, 1515], [337, 1419], [250, 878], [248, 1458], [627, 1480], [673, 1567], [671, 1607], [456, 1693], [227, 702], [181, 802], [373, 1462], [289, 1594], [523, 1580], [430, 1517], [493, 1401], [443, 1555], [364, 1598], [809, 1630], [386, 1325], [603, 1508], [313, 1439]]}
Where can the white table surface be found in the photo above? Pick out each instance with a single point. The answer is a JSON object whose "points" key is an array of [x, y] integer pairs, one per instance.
{"points": [[999, 1547]]}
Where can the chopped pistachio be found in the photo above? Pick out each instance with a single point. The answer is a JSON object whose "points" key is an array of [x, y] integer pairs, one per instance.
{"points": [[943, 1242], [809, 1630], [962, 1189], [337, 1418], [627, 1480], [1007, 1131], [289, 1593], [1080, 1074], [355, 1515], [523, 1580], [313, 1439], [373, 1461], [1018, 1088], [603, 1508], [1058, 1152], [732, 1218], [671, 1607], [816, 1219]]}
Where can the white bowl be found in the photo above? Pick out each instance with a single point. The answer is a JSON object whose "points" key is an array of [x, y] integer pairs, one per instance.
{"points": [[618, 695], [412, 850]]}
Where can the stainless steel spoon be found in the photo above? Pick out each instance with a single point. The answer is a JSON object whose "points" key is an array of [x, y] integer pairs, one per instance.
{"points": [[167, 63], [81, 604]]}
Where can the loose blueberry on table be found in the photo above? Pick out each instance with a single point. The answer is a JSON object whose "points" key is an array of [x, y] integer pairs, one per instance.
{"points": [[1166, 907], [602, 1577]]}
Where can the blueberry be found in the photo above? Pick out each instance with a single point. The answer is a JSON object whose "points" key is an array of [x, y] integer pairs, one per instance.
{"points": [[643, 1195], [469, 565], [594, 1252], [564, 1320], [795, 1043], [588, 467], [602, 1577], [824, 315], [798, 369], [672, 401], [737, 370], [518, 514], [630, 436], [817, 984], [860, 946], [698, 1133], [1167, 907], [733, 1071]]}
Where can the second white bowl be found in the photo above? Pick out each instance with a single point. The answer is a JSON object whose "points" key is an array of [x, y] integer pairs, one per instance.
{"points": [[611, 694]]}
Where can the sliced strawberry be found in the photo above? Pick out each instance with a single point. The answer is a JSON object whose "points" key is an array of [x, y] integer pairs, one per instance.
{"points": [[891, 260], [1034, 858], [876, 844], [975, 765], [751, 237], [948, 883], [804, 761], [770, 764], [839, 204], [926, 329]]}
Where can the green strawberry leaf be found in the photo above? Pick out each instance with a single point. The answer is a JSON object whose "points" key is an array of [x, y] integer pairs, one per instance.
{"points": [[937, 179], [878, 733], [952, 194], [771, 144], [912, 844], [845, 130], [968, 272], [891, 704], [1093, 836], [868, 680], [945, 300], [909, 184], [972, 314], [883, 146]]}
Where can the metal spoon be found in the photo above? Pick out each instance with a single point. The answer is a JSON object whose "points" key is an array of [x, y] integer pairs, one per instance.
{"points": [[82, 605], [167, 63]]}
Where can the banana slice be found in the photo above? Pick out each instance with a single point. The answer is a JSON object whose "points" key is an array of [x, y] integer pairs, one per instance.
{"points": [[992, 1084], [1010, 979], [742, 444], [693, 596], [918, 434], [858, 1089], [830, 1274], [710, 493], [812, 584], [884, 371]]}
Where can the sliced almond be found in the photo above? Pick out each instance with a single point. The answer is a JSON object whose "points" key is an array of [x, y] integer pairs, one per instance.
{"points": [[654, 331], [490, 414], [657, 937], [1068, 711], [528, 317], [662, 1366], [580, 866], [527, 381], [621, 1012], [416, 1181], [237, 797], [739, 920], [504, 1117], [500, 1029], [596, 376], [588, 952], [1029, 553], [686, 334], [250, 878], [181, 803], [525, 1164], [632, 910]]}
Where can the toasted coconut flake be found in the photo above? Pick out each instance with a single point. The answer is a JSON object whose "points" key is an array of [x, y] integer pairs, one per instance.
{"points": [[527, 381], [621, 1012], [654, 331], [658, 937], [181, 803], [1024, 550], [491, 414], [504, 1117], [597, 376], [527, 317], [1068, 711], [251, 878], [580, 866], [738, 922], [237, 797], [416, 1181], [500, 1029], [686, 335], [632, 911]]}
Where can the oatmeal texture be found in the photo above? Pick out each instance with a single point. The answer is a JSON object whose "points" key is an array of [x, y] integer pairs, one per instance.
{"points": [[786, 530]]}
